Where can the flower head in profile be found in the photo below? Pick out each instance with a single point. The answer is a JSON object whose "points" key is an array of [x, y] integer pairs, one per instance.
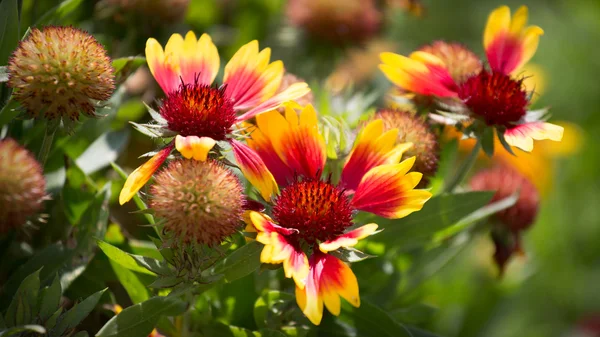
{"points": [[487, 98], [59, 73], [199, 114], [506, 181], [312, 216], [22, 185]]}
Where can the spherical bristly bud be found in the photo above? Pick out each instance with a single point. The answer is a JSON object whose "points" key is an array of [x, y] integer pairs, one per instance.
{"points": [[22, 185], [414, 129], [337, 21], [199, 110], [289, 79], [494, 97], [506, 181], [460, 61], [60, 72], [199, 202], [319, 210]]}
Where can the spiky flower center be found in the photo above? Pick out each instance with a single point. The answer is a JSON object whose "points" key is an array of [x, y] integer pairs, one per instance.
{"points": [[495, 97], [199, 110], [199, 202], [459, 60], [319, 210], [59, 72]]}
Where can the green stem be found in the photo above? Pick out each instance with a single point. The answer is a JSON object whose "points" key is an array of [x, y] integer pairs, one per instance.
{"points": [[47, 143], [464, 168]]}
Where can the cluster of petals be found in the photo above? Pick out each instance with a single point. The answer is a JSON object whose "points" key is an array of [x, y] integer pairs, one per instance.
{"points": [[250, 83], [509, 43], [285, 149]]}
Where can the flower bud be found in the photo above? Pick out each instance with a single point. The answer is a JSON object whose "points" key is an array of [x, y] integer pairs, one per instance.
{"points": [[413, 129], [59, 72], [198, 202], [290, 79], [22, 185], [459, 60]]}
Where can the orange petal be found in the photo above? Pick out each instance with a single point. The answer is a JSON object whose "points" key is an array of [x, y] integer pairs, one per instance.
{"points": [[293, 92], [263, 146], [165, 70], [250, 78], [522, 136], [194, 147], [328, 279], [388, 191], [421, 73], [348, 239], [254, 169], [142, 174], [372, 148], [278, 249]]}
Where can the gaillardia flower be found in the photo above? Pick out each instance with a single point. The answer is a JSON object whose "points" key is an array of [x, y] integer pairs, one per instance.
{"points": [[313, 216], [506, 181], [198, 201], [198, 114], [22, 185], [458, 59], [492, 97], [60, 72], [414, 129]]}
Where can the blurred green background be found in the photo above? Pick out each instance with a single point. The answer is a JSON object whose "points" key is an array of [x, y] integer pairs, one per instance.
{"points": [[543, 294]]}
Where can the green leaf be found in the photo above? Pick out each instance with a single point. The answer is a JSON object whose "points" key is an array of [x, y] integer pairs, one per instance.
{"points": [[76, 314], [487, 141], [504, 143], [77, 194], [166, 282], [9, 111], [18, 330], [3, 74], [439, 212], [58, 13], [9, 29], [23, 307], [371, 320], [138, 320], [350, 254], [103, 151], [124, 259], [240, 262], [271, 333], [135, 288], [128, 64], [50, 299], [265, 303]]}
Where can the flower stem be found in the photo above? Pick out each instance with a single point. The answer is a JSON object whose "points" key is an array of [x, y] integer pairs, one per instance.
{"points": [[464, 169], [47, 143]]}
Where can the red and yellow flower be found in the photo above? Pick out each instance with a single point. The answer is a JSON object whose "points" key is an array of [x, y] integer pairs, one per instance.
{"points": [[492, 97], [198, 114], [311, 216]]}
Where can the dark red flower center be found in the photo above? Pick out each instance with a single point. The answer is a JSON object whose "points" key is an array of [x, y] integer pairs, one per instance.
{"points": [[319, 210], [199, 110], [496, 98]]}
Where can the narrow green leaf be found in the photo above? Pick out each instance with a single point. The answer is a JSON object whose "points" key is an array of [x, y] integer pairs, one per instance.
{"points": [[240, 262], [487, 141], [371, 320], [78, 193], [504, 143], [103, 151], [75, 315], [9, 29], [18, 330], [351, 255], [135, 288], [128, 64], [58, 13], [23, 306], [50, 299], [265, 303], [439, 212], [9, 112], [140, 319], [122, 258]]}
